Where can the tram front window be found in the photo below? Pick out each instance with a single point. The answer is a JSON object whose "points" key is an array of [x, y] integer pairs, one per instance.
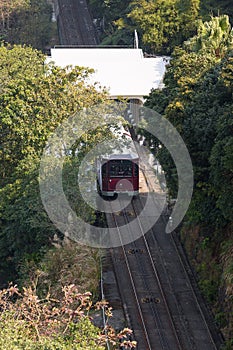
{"points": [[120, 168]]}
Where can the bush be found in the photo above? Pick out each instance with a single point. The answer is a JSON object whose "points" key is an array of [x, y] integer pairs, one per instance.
{"points": [[28, 322]]}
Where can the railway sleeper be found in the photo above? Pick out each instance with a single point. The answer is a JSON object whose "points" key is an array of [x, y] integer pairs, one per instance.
{"points": [[147, 300], [136, 251]]}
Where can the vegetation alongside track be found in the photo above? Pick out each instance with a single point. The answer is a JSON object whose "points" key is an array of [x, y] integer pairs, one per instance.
{"points": [[35, 99], [197, 99], [161, 25], [30, 322], [28, 22]]}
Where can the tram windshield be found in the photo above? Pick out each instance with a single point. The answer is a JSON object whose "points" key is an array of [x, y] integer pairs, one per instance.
{"points": [[120, 168]]}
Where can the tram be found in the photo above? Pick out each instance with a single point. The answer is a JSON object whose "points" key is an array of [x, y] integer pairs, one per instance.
{"points": [[118, 171]]}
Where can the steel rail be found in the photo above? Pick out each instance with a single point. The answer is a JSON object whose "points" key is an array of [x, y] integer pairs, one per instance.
{"points": [[133, 286], [185, 271], [195, 297], [159, 282], [75, 24], [153, 309], [179, 343]]}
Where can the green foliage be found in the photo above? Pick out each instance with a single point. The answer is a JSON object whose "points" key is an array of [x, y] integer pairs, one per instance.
{"points": [[28, 322], [228, 345], [157, 21], [64, 264], [197, 99], [215, 37], [25, 227], [160, 24], [215, 8], [7, 8], [29, 23], [198, 90], [209, 288], [107, 14], [32, 323], [35, 99]]}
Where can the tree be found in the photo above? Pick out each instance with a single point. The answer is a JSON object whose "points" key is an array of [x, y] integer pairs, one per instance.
{"points": [[27, 22], [189, 13], [35, 99], [7, 7], [197, 99], [33, 26], [157, 21], [29, 322], [161, 24], [215, 37], [216, 8], [164, 24], [221, 160]]}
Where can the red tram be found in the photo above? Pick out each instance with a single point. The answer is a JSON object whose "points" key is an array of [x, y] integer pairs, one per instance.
{"points": [[118, 173]]}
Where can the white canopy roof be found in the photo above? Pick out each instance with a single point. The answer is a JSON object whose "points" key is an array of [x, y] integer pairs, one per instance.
{"points": [[124, 72]]}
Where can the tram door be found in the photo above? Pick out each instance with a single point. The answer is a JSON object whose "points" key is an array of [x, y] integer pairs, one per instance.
{"points": [[104, 177]]}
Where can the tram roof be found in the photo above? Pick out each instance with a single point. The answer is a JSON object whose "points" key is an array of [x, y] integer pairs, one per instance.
{"points": [[124, 72], [121, 156]]}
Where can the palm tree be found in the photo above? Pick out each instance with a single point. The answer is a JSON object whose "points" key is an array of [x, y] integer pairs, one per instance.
{"points": [[215, 36]]}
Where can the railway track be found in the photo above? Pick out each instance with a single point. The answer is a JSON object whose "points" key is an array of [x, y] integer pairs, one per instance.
{"points": [[75, 25], [142, 291], [192, 318], [188, 318], [158, 297]]}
